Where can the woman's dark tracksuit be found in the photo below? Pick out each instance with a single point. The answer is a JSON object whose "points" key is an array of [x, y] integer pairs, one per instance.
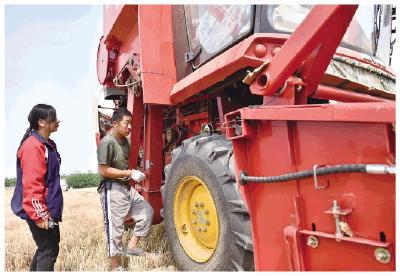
{"points": [[38, 196]]}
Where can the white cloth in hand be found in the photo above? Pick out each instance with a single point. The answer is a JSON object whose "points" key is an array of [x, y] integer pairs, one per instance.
{"points": [[137, 175]]}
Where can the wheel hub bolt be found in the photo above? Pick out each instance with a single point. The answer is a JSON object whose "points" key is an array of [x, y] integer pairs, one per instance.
{"points": [[207, 222], [206, 212], [194, 221], [201, 204], [183, 229], [196, 204], [193, 211], [204, 229], [198, 229]]}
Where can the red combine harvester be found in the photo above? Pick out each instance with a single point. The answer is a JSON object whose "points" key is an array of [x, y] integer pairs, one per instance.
{"points": [[266, 133]]}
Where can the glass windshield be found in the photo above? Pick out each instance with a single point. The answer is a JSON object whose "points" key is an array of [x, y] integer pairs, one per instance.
{"points": [[369, 31], [211, 28]]}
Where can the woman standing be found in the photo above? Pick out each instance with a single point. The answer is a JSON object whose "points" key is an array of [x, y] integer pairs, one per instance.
{"points": [[37, 196]]}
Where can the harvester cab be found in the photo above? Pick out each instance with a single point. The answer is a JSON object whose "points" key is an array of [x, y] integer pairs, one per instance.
{"points": [[212, 29]]}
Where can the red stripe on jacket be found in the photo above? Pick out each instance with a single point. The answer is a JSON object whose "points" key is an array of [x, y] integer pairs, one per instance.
{"points": [[32, 155]]}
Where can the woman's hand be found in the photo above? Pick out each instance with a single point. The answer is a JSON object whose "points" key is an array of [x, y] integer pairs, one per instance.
{"points": [[44, 224]]}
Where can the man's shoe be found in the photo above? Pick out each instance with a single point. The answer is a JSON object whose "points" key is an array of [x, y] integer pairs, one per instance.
{"points": [[120, 268], [134, 252]]}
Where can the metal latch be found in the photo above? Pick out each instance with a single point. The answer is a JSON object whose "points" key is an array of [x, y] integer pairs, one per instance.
{"points": [[341, 226], [252, 75]]}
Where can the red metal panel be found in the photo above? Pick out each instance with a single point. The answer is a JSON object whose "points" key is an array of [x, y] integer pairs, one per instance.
{"points": [[356, 112], [153, 159], [272, 205], [222, 66], [157, 87], [118, 22], [279, 144], [372, 197], [128, 47], [110, 15], [120, 33], [135, 105], [157, 53]]}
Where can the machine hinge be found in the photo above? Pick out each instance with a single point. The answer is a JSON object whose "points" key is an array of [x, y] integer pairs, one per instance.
{"points": [[191, 55]]}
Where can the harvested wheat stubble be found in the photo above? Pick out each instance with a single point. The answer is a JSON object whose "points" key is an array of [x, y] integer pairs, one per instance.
{"points": [[82, 246]]}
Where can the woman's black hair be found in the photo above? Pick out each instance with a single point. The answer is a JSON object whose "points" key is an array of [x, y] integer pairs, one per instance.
{"points": [[39, 112]]}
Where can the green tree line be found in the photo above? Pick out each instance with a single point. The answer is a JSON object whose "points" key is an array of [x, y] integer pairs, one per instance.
{"points": [[83, 180], [9, 182], [74, 180]]}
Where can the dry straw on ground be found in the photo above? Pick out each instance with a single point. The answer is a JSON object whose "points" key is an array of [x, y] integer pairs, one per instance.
{"points": [[82, 246]]}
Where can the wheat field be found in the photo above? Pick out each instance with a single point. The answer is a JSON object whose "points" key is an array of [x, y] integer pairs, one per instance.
{"points": [[82, 245]]}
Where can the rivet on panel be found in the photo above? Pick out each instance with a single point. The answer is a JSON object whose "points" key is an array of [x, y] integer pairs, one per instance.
{"points": [[312, 241], [275, 50], [259, 50], [382, 255]]}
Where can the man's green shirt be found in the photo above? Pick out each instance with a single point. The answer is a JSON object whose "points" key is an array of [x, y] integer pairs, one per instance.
{"points": [[115, 154]]}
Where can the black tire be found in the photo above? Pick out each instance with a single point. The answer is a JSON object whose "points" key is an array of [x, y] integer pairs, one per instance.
{"points": [[210, 159]]}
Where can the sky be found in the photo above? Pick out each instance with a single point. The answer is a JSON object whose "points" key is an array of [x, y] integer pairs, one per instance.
{"points": [[50, 57]]}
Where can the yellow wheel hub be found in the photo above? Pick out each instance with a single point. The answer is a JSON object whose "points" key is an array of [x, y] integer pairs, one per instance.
{"points": [[196, 219]]}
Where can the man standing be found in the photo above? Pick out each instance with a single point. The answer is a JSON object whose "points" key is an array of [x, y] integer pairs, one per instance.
{"points": [[118, 199]]}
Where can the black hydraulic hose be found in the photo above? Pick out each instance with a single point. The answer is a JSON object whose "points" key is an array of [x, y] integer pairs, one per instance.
{"points": [[318, 171]]}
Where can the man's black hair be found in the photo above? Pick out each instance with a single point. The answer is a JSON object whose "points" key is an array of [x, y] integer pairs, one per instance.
{"points": [[119, 113]]}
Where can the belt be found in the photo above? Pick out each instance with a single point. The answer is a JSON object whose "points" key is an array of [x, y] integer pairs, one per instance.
{"points": [[108, 183]]}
